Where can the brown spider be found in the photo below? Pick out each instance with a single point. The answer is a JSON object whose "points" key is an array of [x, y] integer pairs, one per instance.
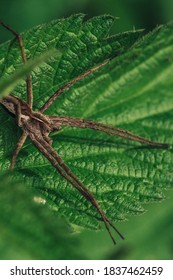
{"points": [[38, 126]]}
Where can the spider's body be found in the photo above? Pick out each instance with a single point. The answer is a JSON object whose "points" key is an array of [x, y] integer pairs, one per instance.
{"points": [[38, 126]]}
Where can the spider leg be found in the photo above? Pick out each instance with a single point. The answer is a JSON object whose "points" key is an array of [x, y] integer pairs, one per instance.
{"points": [[69, 84], [29, 95], [17, 150], [17, 111], [28, 77], [64, 171], [56, 122], [18, 114]]}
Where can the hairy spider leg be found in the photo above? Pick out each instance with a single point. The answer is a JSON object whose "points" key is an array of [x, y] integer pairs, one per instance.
{"points": [[29, 94], [63, 169], [28, 77], [19, 146], [71, 83], [56, 122]]}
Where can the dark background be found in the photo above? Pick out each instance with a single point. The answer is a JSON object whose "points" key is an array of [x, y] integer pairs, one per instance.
{"points": [[148, 236], [22, 15]]}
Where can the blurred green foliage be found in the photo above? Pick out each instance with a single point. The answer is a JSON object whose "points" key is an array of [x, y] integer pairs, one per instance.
{"points": [[156, 241], [146, 14], [148, 236], [24, 235]]}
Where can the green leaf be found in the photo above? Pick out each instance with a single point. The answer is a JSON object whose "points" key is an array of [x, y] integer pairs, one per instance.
{"points": [[8, 83], [27, 235], [134, 92]]}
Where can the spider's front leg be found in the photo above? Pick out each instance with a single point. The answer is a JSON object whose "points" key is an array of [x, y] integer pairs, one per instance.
{"points": [[15, 101], [28, 77]]}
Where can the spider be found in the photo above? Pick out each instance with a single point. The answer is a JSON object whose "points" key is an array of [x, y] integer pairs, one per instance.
{"points": [[37, 126]]}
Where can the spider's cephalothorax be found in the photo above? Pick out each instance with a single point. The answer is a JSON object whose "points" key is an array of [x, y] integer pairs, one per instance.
{"points": [[38, 126]]}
